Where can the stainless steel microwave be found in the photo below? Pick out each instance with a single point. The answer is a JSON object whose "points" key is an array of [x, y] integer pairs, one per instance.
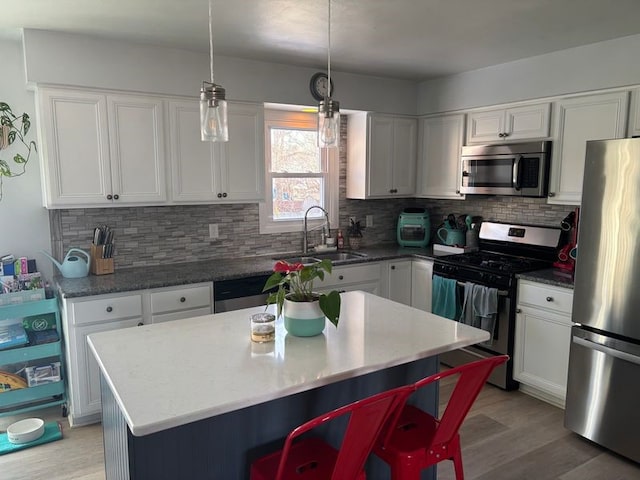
{"points": [[520, 169]]}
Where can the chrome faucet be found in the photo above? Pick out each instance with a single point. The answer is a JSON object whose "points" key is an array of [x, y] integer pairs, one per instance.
{"points": [[305, 243]]}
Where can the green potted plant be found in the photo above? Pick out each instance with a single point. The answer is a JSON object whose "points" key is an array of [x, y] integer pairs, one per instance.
{"points": [[355, 234], [14, 127], [304, 310]]}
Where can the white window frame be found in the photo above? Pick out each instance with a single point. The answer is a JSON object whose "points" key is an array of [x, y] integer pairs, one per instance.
{"points": [[330, 158]]}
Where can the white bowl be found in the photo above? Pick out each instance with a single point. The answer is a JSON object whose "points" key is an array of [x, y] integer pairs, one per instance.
{"points": [[26, 430]]}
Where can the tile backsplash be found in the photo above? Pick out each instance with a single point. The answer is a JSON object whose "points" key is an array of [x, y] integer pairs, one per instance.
{"points": [[173, 234]]}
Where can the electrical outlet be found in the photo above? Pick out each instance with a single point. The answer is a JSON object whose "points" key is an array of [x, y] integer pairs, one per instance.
{"points": [[369, 221], [213, 230]]}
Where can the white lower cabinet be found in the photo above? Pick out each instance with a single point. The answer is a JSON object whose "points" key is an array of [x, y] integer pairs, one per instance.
{"points": [[542, 340], [421, 273], [364, 277], [87, 315], [177, 303], [398, 280]]}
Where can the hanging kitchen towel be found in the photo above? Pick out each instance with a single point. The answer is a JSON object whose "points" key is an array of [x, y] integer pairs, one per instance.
{"points": [[467, 315], [445, 298], [479, 308]]}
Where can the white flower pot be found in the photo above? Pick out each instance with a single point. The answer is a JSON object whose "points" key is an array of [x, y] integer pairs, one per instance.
{"points": [[303, 319]]}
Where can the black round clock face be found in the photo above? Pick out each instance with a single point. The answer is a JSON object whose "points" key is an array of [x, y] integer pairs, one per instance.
{"points": [[318, 86]]}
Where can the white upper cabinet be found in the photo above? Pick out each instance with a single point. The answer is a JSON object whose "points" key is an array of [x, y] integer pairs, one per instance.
{"points": [[509, 124], [439, 146], [577, 120], [204, 172], [634, 114], [100, 149], [136, 131], [381, 158]]}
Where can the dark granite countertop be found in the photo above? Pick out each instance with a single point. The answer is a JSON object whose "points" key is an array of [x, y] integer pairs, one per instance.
{"points": [[172, 274], [549, 276]]}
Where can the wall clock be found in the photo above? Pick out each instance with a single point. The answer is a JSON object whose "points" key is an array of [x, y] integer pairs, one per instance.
{"points": [[318, 86]]}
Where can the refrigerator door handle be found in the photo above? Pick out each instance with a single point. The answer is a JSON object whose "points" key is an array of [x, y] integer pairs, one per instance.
{"points": [[607, 350]]}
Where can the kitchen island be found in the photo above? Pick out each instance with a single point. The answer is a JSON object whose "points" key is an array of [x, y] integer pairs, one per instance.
{"points": [[196, 398]]}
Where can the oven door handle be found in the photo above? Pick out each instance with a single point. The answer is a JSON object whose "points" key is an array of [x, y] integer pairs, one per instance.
{"points": [[501, 293]]}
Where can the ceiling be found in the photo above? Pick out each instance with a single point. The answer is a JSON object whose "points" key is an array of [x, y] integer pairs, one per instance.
{"points": [[412, 39]]}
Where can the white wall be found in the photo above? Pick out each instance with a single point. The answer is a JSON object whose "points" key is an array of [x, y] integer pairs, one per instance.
{"points": [[591, 67], [54, 57], [24, 223]]}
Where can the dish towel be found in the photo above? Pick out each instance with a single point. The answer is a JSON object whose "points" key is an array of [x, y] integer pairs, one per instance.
{"points": [[479, 308], [445, 298]]}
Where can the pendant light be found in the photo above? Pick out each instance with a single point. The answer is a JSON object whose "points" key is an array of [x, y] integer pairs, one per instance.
{"points": [[213, 106], [328, 109]]}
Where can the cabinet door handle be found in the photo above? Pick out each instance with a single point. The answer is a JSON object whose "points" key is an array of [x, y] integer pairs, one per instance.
{"points": [[116, 196], [182, 299], [109, 309], [219, 195], [549, 299], [518, 310], [109, 197], [341, 277], [140, 324], [393, 267], [551, 194], [224, 195]]}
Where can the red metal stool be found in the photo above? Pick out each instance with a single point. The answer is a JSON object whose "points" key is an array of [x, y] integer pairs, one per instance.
{"points": [[419, 440], [314, 459]]}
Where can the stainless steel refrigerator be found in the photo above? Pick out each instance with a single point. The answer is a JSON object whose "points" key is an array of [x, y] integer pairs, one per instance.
{"points": [[603, 389]]}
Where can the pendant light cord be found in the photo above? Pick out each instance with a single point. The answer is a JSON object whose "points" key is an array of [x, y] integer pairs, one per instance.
{"points": [[210, 44], [329, 51]]}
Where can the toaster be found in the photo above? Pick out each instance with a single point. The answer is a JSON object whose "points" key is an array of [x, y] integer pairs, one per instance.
{"points": [[414, 227]]}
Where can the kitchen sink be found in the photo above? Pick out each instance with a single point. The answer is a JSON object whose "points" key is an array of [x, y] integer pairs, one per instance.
{"points": [[300, 259], [333, 256], [338, 256]]}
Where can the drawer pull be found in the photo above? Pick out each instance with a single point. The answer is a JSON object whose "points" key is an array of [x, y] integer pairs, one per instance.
{"points": [[109, 309], [182, 299], [393, 267], [518, 310], [341, 277], [549, 299]]}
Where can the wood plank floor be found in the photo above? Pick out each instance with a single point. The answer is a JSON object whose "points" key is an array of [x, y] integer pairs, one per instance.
{"points": [[507, 436]]}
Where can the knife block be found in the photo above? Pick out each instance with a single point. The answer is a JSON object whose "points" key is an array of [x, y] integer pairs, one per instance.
{"points": [[99, 265]]}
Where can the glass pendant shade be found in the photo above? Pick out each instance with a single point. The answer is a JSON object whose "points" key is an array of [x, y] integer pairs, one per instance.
{"points": [[213, 113], [329, 124]]}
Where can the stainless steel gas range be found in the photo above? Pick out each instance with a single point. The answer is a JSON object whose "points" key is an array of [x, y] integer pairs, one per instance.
{"points": [[505, 250]]}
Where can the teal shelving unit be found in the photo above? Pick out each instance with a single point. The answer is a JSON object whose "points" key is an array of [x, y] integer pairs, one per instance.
{"points": [[40, 396]]}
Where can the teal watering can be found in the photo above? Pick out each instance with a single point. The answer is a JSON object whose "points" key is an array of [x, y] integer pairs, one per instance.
{"points": [[72, 266]]}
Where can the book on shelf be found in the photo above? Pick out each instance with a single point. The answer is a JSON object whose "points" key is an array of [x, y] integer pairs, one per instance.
{"points": [[13, 335]]}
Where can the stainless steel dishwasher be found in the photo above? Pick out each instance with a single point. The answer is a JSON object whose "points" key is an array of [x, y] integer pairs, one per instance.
{"points": [[239, 293]]}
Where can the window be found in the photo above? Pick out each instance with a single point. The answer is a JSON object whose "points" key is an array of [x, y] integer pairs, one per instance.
{"points": [[298, 173]]}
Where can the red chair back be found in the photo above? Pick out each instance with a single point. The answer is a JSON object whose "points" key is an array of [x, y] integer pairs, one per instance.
{"points": [[472, 378], [469, 384], [366, 420]]}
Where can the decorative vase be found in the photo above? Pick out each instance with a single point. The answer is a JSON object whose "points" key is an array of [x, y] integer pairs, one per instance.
{"points": [[303, 319], [355, 242]]}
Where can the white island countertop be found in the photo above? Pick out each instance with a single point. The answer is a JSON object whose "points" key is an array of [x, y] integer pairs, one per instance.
{"points": [[170, 374]]}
